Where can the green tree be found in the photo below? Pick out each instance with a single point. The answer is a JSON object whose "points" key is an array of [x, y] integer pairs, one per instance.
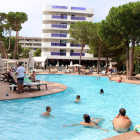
{"points": [[2, 22], [16, 19], [79, 32], [26, 52], [38, 52], [11, 48], [123, 23]]}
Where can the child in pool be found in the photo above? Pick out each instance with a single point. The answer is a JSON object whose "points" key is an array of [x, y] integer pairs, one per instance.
{"points": [[77, 99], [47, 113]]}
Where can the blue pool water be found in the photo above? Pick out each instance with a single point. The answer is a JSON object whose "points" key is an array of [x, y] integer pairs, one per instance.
{"points": [[20, 119]]}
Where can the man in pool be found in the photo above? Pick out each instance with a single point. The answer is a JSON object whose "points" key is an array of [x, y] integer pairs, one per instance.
{"points": [[121, 122], [77, 99], [101, 91], [88, 122], [47, 113]]}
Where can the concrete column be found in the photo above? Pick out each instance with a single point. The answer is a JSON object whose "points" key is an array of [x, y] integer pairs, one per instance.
{"points": [[7, 66], [27, 67], [24, 64]]}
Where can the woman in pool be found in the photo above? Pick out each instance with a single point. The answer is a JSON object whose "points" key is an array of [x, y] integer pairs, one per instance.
{"points": [[120, 80], [89, 122], [77, 99]]}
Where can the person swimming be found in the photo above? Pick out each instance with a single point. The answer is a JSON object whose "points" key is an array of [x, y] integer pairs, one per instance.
{"points": [[88, 122], [101, 91], [77, 99], [47, 113]]}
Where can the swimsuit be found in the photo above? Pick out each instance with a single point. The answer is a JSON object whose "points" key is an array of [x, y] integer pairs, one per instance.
{"points": [[121, 130], [119, 80]]}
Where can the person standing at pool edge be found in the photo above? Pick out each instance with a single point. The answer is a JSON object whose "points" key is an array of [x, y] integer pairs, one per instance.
{"points": [[20, 78], [122, 122]]}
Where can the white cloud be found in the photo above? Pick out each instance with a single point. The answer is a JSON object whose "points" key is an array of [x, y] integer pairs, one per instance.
{"points": [[33, 8]]}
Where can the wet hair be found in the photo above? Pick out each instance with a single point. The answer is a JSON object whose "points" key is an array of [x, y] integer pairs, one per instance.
{"points": [[78, 97], [122, 111], [48, 107], [87, 118], [101, 91], [19, 63]]}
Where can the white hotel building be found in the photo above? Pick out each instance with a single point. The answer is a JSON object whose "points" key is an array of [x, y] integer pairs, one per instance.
{"points": [[56, 45]]}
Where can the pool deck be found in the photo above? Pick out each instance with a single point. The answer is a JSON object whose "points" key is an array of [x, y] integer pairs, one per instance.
{"points": [[56, 88], [52, 88], [132, 135]]}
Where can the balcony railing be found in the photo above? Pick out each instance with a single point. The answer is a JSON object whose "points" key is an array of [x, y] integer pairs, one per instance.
{"points": [[76, 54], [78, 18], [58, 53], [78, 8], [78, 45], [60, 7], [58, 26], [59, 17], [58, 44], [58, 35]]}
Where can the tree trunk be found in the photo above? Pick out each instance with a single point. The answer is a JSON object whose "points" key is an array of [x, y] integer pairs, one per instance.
{"points": [[15, 46], [131, 58], [106, 63], [81, 54], [17, 41], [127, 59], [99, 57]]}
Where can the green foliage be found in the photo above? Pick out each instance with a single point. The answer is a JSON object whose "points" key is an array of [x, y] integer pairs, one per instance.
{"points": [[2, 22], [12, 44], [16, 19], [79, 31], [37, 52], [26, 52]]}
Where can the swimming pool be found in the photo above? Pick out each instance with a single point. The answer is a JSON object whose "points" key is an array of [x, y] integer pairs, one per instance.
{"points": [[20, 119]]}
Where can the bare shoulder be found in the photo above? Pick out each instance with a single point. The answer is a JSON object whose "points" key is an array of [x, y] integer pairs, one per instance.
{"points": [[82, 123], [45, 113]]}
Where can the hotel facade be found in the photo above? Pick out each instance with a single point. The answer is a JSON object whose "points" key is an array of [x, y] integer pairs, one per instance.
{"points": [[56, 45]]}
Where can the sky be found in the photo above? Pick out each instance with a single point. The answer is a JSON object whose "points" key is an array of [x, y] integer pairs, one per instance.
{"points": [[33, 8]]}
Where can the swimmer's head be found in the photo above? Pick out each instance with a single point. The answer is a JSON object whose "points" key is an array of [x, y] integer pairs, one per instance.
{"points": [[122, 111], [86, 118], [78, 97], [101, 91], [48, 108]]}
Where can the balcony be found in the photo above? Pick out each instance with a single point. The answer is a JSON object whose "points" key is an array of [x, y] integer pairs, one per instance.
{"points": [[78, 18], [59, 17], [58, 26], [58, 44], [70, 19], [59, 7], [68, 9], [78, 45], [58, 53], [58, 35], [78, 8], [76, 54]]}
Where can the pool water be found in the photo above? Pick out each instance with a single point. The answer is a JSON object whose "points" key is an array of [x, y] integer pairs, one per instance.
{"points": [[20, 119]]}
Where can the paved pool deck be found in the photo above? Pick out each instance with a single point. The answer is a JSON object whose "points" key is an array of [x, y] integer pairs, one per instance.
{"points": [[56, 88], [52, 88]]}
